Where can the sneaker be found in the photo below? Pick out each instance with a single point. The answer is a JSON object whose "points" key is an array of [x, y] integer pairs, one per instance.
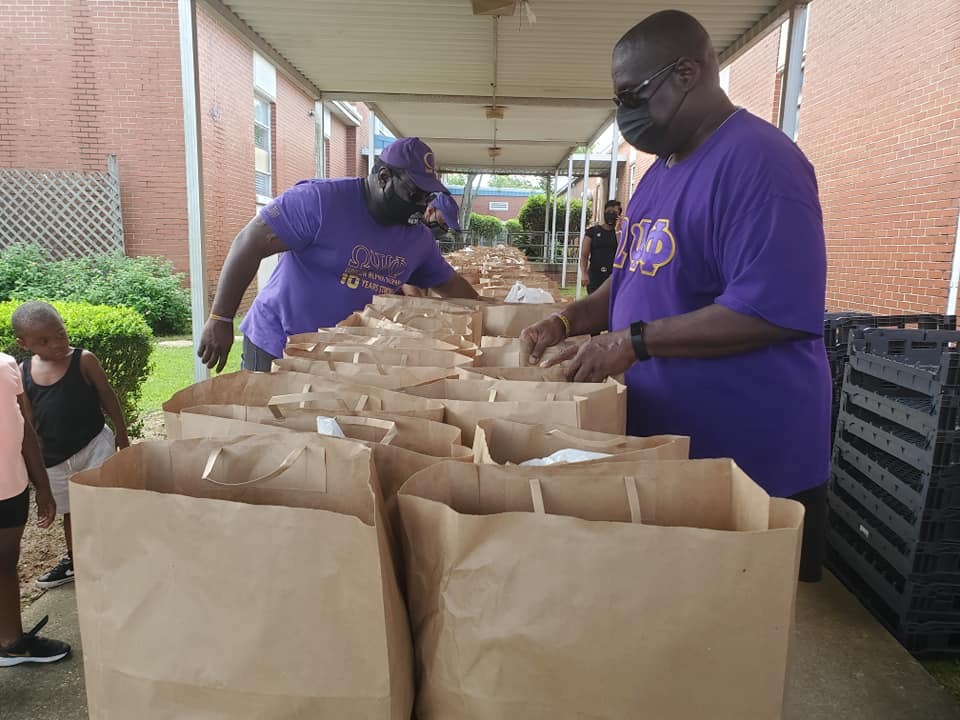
{"points": [[60, 575], [31, 648]]}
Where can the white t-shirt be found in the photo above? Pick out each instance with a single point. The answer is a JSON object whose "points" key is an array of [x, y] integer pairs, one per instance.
{"points": [[13, 471]]}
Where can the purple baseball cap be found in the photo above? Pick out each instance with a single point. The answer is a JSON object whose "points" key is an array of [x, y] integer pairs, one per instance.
{"points": [[415, 158], [451, 211]]}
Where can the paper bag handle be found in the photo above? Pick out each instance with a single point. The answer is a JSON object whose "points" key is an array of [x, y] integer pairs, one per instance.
{"points": [[581, 443], [357, 354], [361, 404], [536, 492], [633, 498], [214, 458], [388, 437]]}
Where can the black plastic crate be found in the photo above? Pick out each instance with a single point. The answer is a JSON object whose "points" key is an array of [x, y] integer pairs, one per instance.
{"points": [[938, 489], [924, 452], [926, 361], [910, 558], [838, 326], [933, 526], [924, 414], [913, 612], [932, 640]]}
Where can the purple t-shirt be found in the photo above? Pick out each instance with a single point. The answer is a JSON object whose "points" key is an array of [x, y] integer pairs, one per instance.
{"points": [[339, 259], [738, 224]]}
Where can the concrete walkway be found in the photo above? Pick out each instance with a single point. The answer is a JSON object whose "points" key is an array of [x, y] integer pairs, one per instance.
{"points": [[845, 667]]}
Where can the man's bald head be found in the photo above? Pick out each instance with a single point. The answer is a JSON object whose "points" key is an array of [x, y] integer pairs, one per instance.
{"points": [[663, 37]]}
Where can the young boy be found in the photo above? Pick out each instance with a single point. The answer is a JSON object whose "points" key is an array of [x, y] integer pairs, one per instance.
{"points": [[20, 462], [68, 393]]}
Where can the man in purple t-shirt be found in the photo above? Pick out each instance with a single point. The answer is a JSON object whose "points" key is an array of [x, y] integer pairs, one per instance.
{"points": [[715, 304], [342, 242]]}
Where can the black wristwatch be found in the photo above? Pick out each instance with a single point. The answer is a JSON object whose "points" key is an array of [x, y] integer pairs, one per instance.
{"points": [[637, 330]]}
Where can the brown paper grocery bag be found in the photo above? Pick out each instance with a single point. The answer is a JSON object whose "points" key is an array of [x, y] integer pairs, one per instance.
{"points": [[531, 373], [372, 354], [510, 320], [512, 354], [394, 464], [501, 442], [369, 326], [239, 578], [413, 433], [258, 389], [431, 314], [591, 406], [614, 591], [388, 377], [384, 340]]}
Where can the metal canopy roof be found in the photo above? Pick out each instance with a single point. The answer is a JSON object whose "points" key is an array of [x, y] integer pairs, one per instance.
{"points": [[427, 67]]}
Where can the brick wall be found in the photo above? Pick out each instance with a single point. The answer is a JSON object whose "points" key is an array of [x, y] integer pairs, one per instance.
{"points": [[295, 158], [481, 205], [886, 145], [753, 77], [81, 80], [226, 121], [337, 165]]}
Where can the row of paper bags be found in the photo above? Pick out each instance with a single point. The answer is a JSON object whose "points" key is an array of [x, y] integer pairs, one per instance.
{"points": [[264, 576]]}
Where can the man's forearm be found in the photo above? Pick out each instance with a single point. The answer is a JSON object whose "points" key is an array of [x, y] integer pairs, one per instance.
{"points": [[590, 315], [255, 242], [456, 287], [713, 331]]}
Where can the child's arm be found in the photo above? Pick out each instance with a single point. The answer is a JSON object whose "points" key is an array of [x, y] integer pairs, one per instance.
{"points": [[36, 471], [94, 374]]}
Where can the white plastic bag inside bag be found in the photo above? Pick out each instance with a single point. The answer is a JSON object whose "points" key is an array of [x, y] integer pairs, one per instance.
{"points": [[567, 455], [520, 293], [329, 426]]}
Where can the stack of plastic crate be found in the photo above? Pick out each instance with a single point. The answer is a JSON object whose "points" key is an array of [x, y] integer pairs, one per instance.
{"points": [[838, 326], [894, 525]]}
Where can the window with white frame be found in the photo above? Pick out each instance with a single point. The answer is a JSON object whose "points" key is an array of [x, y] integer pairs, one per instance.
{"points": [[263, 155], [500, 205]]}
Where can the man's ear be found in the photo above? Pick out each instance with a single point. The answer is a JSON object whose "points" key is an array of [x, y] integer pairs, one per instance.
{"points": [[383, 175], [22, 344], [688, 73]]}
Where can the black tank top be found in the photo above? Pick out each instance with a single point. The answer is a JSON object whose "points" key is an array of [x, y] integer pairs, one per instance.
{"points": [[67, 414]]}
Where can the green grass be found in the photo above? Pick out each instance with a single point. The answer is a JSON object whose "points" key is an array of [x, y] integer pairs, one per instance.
{"points": [[947, 673], [173, 371]]}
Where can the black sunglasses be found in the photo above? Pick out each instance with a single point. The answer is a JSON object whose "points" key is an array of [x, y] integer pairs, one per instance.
{"points": [[413, 193], [631, 98]]}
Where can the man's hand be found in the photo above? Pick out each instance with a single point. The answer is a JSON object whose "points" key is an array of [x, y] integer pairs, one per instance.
{"points": [[598, 358], [46, 507], [537, 338], [215, 343], [584, 279]]}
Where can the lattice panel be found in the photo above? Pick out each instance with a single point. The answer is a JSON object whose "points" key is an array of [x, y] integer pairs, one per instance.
{"points": [[69, 213]]}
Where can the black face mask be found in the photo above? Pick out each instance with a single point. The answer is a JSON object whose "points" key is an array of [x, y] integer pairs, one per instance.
{"points": [[639, 128], [438, 230], [398, 211], [610, 218]]}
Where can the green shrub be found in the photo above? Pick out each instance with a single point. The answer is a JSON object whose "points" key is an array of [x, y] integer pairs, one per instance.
{"points": [[119, 337], [531, 214], [149, 285], [513, 226], [485, 227]]}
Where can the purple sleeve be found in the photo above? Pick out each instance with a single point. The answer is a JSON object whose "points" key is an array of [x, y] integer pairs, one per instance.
{"points": [[774, 266], [295, 216], [433, 271]]}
